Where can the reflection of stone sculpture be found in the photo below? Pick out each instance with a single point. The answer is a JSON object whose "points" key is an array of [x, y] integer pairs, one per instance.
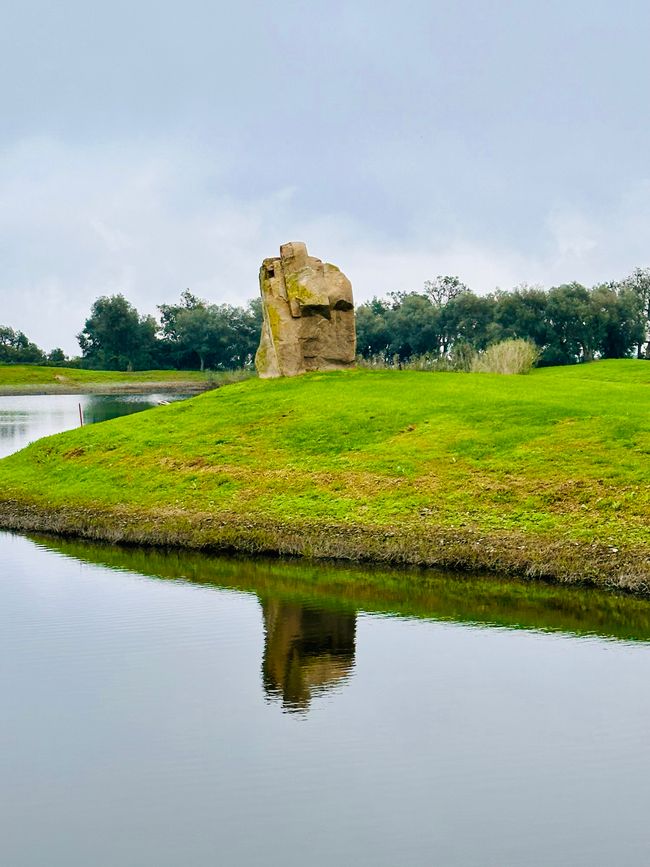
{"points": [[306, 651], [308, 315]]}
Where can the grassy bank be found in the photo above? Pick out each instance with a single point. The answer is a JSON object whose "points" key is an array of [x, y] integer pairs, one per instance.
{"points": [[32, 379], [542, 475]]}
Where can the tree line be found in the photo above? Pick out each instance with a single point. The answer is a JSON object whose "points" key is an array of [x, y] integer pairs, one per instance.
{"points": [[568, 323], [445, 323], [16, 348], [190, 335]]}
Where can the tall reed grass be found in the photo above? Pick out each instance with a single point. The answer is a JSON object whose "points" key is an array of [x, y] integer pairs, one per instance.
{"points": [[509, 357]]}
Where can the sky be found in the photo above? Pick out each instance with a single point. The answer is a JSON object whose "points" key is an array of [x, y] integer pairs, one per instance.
{"points": [[149, 147]]}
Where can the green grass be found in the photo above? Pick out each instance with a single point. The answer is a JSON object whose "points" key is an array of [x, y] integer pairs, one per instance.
{"points": [[544, 474], [17, 378]]}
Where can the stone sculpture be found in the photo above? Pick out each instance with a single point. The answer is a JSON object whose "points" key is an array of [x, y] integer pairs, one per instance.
{"points": [[308, 315]]}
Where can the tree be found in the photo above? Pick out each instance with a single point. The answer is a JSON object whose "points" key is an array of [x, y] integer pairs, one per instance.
{"points": [[572, 331], [522, 314], [246, 325], [116, 337], [373, 333], [199, 331], [619, 320], [217, 336], [414, 325], [56, 356], [639, 283], [169, 313], [15, 348], [444, 289], [468, 318]]}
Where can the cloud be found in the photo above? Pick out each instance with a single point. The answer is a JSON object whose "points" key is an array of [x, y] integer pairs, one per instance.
{"points": [[573, 234], [150, 220]]}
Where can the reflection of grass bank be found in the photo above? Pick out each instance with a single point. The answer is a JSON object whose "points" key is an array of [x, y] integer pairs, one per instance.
{"points": [[413, 593], [544, 475], [32, 379]]}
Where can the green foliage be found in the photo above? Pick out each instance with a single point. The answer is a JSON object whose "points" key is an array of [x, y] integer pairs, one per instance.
{"points": [[638, 283], [415, 325], [16, 348], [373, 330], [218, 336], [618, 316], [169, 313], [522, 314], [444, 289], [468, 318], [116, 337], [568, 323], [57, 356]]}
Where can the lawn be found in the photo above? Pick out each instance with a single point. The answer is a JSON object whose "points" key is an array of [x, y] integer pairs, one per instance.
{"points": [[545, 474]]}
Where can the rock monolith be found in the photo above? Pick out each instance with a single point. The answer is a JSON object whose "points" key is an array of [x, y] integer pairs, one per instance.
{"points": [[308, 315]]}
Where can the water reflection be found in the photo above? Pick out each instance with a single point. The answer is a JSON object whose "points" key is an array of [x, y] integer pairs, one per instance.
{"points": [[137, 728], [12, 431], [307, 651], [486, 601]]}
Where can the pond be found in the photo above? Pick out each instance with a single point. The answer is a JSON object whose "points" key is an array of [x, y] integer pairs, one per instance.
{"points": [[24, 419], [172, 708]]}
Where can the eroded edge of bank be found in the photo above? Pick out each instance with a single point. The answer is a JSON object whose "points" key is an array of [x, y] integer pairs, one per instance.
{"points": [[509, 554]]}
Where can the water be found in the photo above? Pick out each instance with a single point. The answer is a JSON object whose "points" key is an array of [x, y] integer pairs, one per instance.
{"points": [[169, 708], [24, 419]]}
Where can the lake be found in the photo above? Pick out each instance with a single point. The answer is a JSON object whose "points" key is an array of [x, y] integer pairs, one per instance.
{"points": [[172, 708], [24, 419]]}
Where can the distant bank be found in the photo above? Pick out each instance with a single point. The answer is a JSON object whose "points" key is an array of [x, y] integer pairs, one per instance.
{"points": [[543, 475], [32, 379]]}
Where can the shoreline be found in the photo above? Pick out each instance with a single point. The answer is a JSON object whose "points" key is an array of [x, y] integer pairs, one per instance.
{"points": [[509, 554], [147, 387], [25, 380]]}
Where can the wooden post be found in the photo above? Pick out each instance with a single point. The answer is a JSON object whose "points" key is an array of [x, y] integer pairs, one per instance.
{"points": [[81, 416]]}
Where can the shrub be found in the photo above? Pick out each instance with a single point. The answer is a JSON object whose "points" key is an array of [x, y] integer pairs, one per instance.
{"points": [[509, 356]]}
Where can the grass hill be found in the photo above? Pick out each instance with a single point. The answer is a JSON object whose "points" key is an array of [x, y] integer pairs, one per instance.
{"points": [[542, 475]]}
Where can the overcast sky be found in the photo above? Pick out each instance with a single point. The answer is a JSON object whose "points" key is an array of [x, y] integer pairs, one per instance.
{"points": [[147, 147]]}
